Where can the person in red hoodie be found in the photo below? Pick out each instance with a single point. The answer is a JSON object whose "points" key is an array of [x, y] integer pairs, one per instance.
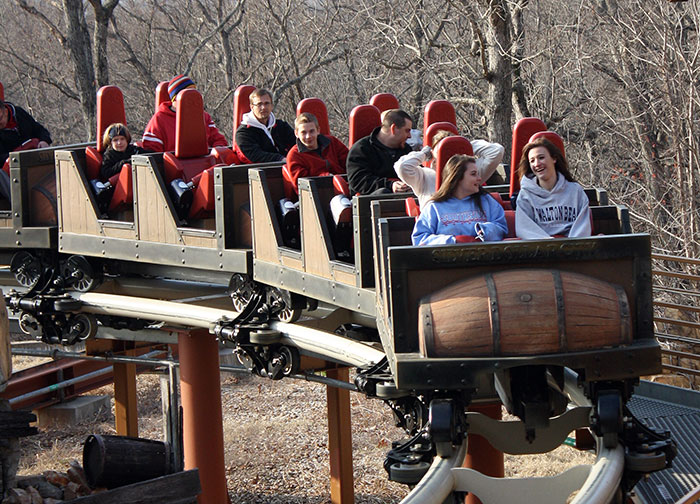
{"points": [[159, 135], [313, 155]]}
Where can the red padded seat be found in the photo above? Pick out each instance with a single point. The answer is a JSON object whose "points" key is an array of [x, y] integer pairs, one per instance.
{"points": [[435, 127], [445, 150], [191, 155], [225, 156], [32, 143], [552, 137], [340, 184], [316, 107], [123, 196], [241, 105], [93, 162], [412, 207], [438, 111], [510, 220], [523, 131], [162, 95], [110, 110], [203, 197], [363, 120], [384, 101]]}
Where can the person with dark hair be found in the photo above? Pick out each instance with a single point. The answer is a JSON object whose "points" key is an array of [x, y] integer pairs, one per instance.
{"points": [[261, 137], [159, 135], [117, 150], [460, 211], [550, 203], [18, 131], [371, 159], [16, 127]]}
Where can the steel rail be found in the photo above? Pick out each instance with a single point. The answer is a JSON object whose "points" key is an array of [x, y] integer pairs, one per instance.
{"points": [[327, 345], [597, 483], [445, 474]]}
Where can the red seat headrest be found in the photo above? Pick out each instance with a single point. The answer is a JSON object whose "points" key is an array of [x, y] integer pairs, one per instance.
{"points": [[110, 110], [438, 111], [316, 107], [363, 120], [190, 128], [384, 101], [524, 129], [445, 150]]}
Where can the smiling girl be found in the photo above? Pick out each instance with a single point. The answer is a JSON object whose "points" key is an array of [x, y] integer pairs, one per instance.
{"points": [[460, 211], [550, 202]]}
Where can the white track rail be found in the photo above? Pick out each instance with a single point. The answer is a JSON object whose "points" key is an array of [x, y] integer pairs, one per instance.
{"points": [[597, 483]]}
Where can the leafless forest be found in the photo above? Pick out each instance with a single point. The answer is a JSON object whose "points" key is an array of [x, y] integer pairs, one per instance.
{"points": [[619, 80]]}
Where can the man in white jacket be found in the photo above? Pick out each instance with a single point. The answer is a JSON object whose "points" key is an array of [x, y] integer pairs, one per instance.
{"points": [[410, 167]]}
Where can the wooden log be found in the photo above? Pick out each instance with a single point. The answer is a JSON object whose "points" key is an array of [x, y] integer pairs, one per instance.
{"points": [[523, 312], [177, 488], [16, 424]]}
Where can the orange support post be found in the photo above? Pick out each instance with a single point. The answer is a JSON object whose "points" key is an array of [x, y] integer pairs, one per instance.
{"points": [[481, 456], [126, 419], [340, 439], [203, 432]]}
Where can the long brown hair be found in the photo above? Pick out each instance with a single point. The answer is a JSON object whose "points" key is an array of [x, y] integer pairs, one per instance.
{"points": [[452, 174], [560, 163], [115, 129]]}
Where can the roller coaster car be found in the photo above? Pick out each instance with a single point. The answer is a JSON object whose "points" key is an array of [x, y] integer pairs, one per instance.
{"points": [[315, 269], [152, 233], [449, 315], [28, 221]]}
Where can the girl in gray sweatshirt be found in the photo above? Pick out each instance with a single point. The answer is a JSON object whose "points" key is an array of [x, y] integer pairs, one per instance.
{"points": [[550, 202]]}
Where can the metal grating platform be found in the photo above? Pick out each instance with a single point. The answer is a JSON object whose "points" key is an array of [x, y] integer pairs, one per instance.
{"points": [[678, 411]]}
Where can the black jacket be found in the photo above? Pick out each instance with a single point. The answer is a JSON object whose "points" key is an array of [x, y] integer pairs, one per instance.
{"points": [[257, 147], [27, 127], [112, 160], [370, 165]]}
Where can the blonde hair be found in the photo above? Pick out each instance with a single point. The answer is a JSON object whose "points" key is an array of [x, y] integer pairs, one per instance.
{"points": [[305, 117]]}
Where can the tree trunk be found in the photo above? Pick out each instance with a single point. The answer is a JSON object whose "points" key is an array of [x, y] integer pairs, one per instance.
{"points": [[499, 73], [79, 48]]}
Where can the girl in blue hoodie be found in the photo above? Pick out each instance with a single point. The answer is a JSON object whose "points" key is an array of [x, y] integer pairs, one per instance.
{"points": [[460, 211], [550, 202]]}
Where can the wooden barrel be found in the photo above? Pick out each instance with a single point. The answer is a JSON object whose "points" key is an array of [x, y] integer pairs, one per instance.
{"points": [[523, 312], [5, 352], [113, 461], [44, 209]]}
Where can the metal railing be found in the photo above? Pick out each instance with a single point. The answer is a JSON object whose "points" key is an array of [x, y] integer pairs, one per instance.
{"points": [[676, 313]]}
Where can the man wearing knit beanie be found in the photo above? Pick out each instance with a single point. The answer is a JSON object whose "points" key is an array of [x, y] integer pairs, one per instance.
{"points": [[159, 135]]}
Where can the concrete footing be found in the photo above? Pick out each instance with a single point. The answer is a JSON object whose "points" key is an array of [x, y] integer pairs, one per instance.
{"points": [[72, 411]]}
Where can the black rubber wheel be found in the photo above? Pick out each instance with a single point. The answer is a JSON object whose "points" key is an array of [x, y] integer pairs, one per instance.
{"points": [[409, 474], [26, 268], [264, 337], [292, 359], [80, 274], [241, 289]]}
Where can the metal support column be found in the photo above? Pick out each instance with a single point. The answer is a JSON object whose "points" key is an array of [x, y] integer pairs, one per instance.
{"points": [[481, 456], [203, 432], [340, 439]]}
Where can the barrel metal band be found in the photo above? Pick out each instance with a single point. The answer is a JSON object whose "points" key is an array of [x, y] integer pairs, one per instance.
{"points": [[625, 316], [561, 314], [495, 319]]}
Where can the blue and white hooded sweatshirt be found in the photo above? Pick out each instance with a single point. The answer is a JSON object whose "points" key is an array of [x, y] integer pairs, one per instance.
{"points": [[440, 222], [542, 214]]}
